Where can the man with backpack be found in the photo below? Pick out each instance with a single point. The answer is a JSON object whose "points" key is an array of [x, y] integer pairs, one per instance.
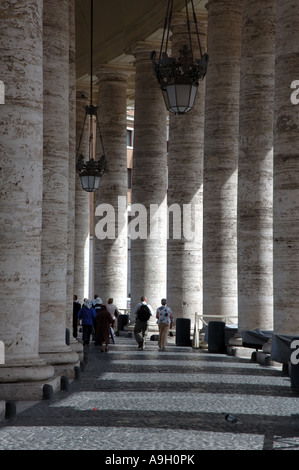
{"points": [[143, 311]]}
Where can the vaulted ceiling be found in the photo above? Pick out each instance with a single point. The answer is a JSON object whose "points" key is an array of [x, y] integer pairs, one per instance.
{"points": [[117, 25]]}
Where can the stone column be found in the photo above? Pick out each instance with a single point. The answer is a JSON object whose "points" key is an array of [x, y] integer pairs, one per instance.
{"points": [[72, 165], [255, 184], [55, 189], [286, 171], [23, 373], [82, 207], [185, 178], [111, 249], [75, 345], [149, 250], [221, 158]]}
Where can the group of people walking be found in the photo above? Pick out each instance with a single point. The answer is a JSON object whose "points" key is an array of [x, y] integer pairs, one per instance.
{"points": [[96, 319], [101, 319], [143, 312]]}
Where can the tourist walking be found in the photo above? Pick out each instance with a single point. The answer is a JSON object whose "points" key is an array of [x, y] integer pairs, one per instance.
{"points": [[97, 305], [103, 325], [143, 311], [97, 300], [76, 308], [164, 317], [86, 315], [113, 310]]}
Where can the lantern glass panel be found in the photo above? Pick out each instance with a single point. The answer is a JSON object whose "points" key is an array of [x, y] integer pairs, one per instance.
{"points": [[90, 183], [180, 97]]}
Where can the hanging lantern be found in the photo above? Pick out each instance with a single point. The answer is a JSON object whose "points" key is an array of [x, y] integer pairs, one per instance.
{"points": [[90, 171], [179, 78]]}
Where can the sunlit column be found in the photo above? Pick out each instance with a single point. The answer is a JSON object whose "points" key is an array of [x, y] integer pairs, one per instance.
{"points": [[255, 184], [53, 346], [185, 178], [149, 255], [23, 373], [221, 158], [82, 206], [286, 170], [111, 240]]}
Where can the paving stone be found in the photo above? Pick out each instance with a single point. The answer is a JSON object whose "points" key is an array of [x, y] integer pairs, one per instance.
{"points": [[173, 400]]}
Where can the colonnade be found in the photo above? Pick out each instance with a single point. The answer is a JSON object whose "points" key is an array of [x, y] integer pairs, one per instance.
{"points": [[37, 183], [233, 160]]}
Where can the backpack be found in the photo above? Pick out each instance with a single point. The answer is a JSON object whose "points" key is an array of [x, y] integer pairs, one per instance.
{"points": [[143, 313]]}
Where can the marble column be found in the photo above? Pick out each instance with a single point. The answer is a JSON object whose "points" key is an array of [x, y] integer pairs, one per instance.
{"points": [[53, 347], [75, 345], [111, 246], [23, 373], [286, 171], [148, 228], [221, 159], [72, 165], [82, 207], [185, 178], [255, 183]]}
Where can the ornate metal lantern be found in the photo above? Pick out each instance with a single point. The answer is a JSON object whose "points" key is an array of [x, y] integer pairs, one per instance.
{"points": [[179, 78], [90, 171]]}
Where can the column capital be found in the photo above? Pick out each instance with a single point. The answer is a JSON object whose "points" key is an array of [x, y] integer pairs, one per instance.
{"points": [[143, 49], [226, 4], [113, 72]]}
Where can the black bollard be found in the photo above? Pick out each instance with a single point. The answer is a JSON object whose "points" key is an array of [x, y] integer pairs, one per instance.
{"points": [[77, 372], [64, 382], [48, 392], [10, 410]]}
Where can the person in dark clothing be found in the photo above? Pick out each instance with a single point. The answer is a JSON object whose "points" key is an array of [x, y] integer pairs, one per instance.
{"points": [[87, 315], [103, 324], [76, 308], [141, 326]]}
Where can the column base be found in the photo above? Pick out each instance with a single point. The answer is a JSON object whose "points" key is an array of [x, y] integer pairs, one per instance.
{"points": [[26, 380], [23, 391], [64, 362], [27, 370], [77, 348]]}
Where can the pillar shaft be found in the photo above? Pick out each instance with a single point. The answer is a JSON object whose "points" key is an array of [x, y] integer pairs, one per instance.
{"points": [[148, 258], [255, 183], [286, 171], [185, 177], [111, 249], [72, 166], [21, 194], [82, 208], [55, 186], [221, 158]]}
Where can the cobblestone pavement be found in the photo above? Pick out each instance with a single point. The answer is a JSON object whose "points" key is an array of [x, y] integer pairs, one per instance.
{"points": [[174, 400]]}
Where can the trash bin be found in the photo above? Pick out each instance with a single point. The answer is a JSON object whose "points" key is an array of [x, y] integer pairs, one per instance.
{"points": [[216, 337], [122, 320], [295, 377], [183, 326]]}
